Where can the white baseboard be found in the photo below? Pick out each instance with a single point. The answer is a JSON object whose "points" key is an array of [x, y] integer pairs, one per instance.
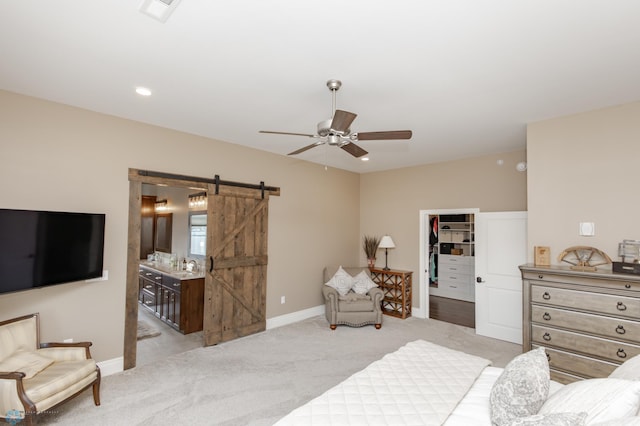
{"points": [[294, 317], [111, 366], [116, 365]]}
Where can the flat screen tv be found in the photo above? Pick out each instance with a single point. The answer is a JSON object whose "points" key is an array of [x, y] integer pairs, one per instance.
{"points": [[43, 248]]}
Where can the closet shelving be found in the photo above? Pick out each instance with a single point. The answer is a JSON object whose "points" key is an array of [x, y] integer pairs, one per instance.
{"points": [[451, 252]]}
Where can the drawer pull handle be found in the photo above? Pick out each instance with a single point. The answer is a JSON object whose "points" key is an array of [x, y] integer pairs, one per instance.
{"points": [[176, 284], [621, 306], [627, 285], [546, 336], [546, 316], [548, 357], [158, 278], [620, 329], [546, 296], [540, 276], [148, 274], [621, 353]]}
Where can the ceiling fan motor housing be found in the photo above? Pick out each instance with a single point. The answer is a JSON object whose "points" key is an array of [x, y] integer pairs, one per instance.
{"points": [[324, 129]]}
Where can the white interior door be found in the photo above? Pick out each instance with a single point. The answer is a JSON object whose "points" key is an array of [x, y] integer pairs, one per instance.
{"points": [[501, 246]]}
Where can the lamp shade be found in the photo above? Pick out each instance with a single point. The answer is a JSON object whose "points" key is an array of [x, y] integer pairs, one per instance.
{"points": [[386, 242]]}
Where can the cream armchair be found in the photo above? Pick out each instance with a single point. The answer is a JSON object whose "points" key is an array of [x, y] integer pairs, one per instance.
{"points": [[353, 309], [35, 376]]}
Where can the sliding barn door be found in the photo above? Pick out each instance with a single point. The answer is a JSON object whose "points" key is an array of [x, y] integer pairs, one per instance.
{"points": [[236, 279]]}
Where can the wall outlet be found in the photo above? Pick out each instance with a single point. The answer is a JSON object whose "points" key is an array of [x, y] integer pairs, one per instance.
{"points": [[282, 300], [67, 341]]}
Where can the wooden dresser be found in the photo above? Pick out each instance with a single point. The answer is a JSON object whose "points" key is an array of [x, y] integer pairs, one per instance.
{"points": [[588, 322]]}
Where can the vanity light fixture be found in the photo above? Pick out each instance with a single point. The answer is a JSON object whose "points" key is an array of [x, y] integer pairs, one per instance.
{"points": [[198, 201], [161, 205]]}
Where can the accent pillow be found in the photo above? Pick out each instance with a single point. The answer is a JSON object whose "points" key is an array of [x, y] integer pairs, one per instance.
{"points": [[626, 421], [341, 281], [27, 362], [602, 399], [521, 389], [362, 283], [629, 370], [555, 419]]}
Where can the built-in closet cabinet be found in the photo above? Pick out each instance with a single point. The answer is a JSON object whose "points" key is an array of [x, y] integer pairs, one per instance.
{"points": [[451, 256]]}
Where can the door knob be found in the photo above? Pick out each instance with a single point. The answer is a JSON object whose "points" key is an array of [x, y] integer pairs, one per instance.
{"points": [[479, 280]]}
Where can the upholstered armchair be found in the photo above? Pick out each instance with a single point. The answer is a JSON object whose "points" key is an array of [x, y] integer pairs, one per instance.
{"points": [[351, 298], [35, 377]]}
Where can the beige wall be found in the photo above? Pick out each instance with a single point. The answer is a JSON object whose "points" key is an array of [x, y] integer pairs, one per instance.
{"points": [[391, 201], [56, 157], [582, 169]]}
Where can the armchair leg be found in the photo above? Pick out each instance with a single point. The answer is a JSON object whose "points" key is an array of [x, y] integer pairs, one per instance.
{"points": [[332, 326], [96, 391], [378, 326]]}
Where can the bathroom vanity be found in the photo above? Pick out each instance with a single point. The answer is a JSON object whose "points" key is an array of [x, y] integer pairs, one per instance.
{"points": [[175, 297]]}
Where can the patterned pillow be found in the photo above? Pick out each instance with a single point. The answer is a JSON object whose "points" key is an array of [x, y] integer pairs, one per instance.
{"points": [[362, 283], [341, 281], [555, 419], [521, 389]]}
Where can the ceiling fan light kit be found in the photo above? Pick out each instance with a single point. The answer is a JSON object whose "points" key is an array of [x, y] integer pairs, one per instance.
{"points": [[336, 131]]}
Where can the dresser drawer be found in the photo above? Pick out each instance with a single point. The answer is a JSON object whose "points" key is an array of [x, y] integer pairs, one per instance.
{"points": [[455, 268], [577, 364], [455, 260], [618, 282], [583, 300], [605, 326], [172, 283], [598, 347]]}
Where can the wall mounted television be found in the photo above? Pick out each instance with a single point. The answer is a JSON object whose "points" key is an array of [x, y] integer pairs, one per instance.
{"points": [[43, 248]]}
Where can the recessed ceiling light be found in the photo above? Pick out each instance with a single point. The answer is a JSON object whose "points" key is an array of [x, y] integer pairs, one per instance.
{"points": [[365, 159], [143, 91]]}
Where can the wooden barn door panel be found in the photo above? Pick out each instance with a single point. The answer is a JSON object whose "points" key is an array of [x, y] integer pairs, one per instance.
{"points": [[235, 287]]}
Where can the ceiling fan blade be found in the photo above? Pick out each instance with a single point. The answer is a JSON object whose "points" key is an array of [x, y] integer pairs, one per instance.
{"points": [[285, 133], [303, 149], [342, 120], [354, 150], [376, 136]]}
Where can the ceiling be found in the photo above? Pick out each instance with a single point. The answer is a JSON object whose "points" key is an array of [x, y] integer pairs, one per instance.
{"points": [[465, 76]]}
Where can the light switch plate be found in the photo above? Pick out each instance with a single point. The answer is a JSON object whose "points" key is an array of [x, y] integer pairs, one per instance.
{"points": [[587, 229]]}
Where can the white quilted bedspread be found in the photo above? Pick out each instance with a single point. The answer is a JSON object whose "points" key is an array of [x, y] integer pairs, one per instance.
{"points": [[419, 384]]}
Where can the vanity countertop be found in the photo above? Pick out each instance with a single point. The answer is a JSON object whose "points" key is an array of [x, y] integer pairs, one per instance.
{"points": [[167, 270]]}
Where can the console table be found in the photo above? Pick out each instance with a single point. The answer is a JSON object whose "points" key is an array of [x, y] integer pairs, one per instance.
{"points": [[396, 286]]}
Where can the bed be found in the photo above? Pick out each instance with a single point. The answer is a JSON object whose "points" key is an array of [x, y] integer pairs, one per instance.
{"points": [[426, 384]]}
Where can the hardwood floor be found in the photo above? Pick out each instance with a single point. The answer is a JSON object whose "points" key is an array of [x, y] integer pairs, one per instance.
{"points": [[454, 311]]}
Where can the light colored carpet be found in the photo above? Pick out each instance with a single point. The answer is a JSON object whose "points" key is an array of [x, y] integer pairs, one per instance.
{"points": [[146, 330], [258, 379]]}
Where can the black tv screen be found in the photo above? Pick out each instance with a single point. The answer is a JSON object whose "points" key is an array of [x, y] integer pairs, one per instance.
{"points": [[41, 248]]}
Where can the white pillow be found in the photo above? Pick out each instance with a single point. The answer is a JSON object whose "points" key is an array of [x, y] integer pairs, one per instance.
{"points": [[521, 389], [626, 421], [362, 283], [555, 419], [630, 369], [29, 363], [341, 281], [602, 399]]}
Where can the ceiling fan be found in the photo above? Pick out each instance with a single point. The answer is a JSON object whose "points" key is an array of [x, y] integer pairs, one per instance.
{"points": [[335, 130]]}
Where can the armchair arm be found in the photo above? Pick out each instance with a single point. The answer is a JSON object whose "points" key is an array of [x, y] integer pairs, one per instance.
{"points": [[376, 295], [330, 297], [13, 395], [66, 351]]}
